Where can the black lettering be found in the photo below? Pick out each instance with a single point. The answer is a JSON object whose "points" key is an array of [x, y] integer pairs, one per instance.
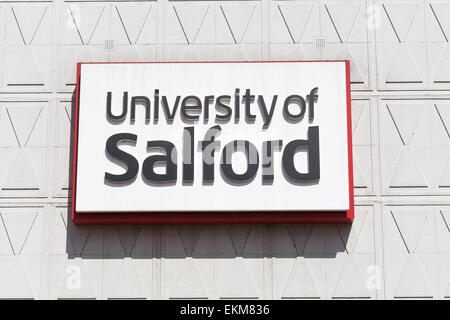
{"points": [[148, 167], [224, 107], [209, 146], [170, 115], [156, 107], [267, 116], [251, 154], [207, 101], [123, 115], [269, 147], [146, 102], [297, 100], [190, 103], [115, 153], [248, 99], [312, 147], [237, 103], [188, 154], [312, 97]]}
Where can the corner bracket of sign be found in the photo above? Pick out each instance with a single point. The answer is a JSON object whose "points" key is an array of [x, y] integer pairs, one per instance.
{"points": [[214, 217]]}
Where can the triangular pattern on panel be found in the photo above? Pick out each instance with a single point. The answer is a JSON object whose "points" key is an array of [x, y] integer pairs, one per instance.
{"points": [[65, 125], [364, 240], [346, 52], [441, 10], [316, 244], [21, 174], [433, 127], [126, 283], [148, 33], [407, 172], [412, 281], [403, 67], [344, 17], [442, 70], [26, 70], [144, 242], [334, 242], [239, 283], [389, 133], [446, 217], [357, 110], [283, 243], [189, 236], [442, 232], [410, 224], [29, 18], [402, 16], [76, 235], [32, 246], [358, 178], [239, 235], [394, 242], [5, 245], [300, 283], [405, 117], [77, 53], [94, 243], [16, 282], [296, 18], [429, 235], [252, 32], [92, 17], [8, 137], [358, 32], [188, 283], [444, 114], [223, 245], [238, 19], [38, 135], [134, 18], [118, 29], [327, 28], [71, 33], [18, 226], [324, 240], [172, 246], [24, 119], [204, 246], [351, 234], [111, 242], [208, 28], [362, 166], [300, 235], [191, 19], [128, 235], [351, 282], [222, 34]]}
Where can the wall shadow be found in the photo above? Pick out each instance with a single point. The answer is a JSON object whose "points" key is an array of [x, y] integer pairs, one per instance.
{"points": [[200, 241]]}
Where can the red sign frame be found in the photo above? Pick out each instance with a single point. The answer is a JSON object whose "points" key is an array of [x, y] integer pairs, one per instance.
{"points": [[234, 217]]}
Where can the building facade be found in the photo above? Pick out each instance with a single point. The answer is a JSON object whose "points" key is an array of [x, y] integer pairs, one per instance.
{"points": [[397, 247]]}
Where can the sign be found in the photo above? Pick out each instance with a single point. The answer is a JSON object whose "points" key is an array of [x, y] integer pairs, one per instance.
{"points": [[212, 142]]}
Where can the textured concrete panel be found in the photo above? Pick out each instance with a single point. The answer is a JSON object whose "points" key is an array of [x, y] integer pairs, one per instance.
{"points": [[397, 247]]}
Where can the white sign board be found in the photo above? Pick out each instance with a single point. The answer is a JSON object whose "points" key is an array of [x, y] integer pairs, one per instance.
{"points": [[157, 137]]}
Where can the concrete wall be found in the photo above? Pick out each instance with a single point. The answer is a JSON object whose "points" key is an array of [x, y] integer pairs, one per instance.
{"points": [[399, 244]]}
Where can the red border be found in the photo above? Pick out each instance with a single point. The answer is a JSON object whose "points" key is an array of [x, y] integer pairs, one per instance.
{"points": [[215, 217]]}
